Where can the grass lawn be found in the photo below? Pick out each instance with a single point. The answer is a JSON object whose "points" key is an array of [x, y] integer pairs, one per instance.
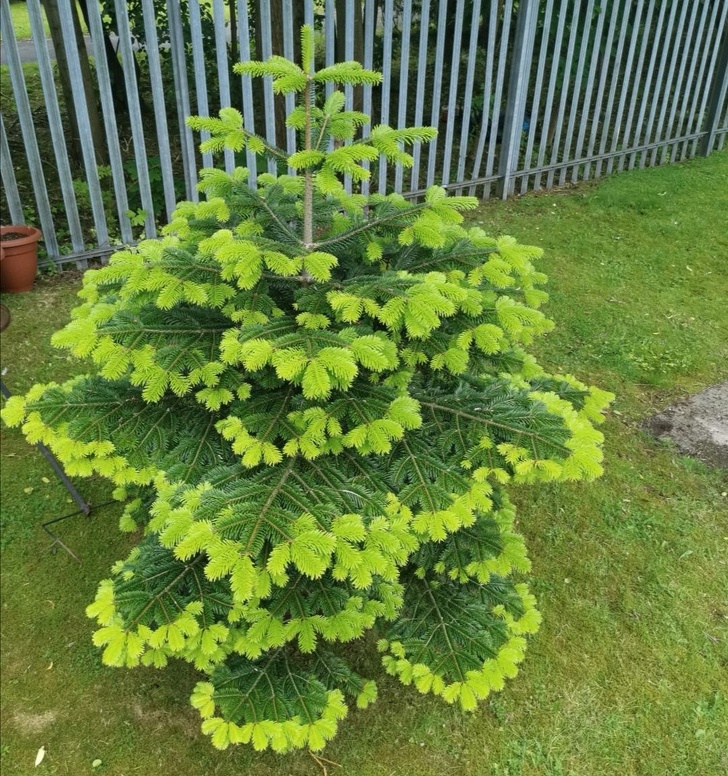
{"points": [[21, 22], [629, 673]]}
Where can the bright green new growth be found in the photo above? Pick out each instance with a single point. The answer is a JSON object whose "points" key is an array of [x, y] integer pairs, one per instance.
{"points": [[316, 401]]}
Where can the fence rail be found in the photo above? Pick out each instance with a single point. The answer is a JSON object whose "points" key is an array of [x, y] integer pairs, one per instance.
{"points": [[526, 94]]}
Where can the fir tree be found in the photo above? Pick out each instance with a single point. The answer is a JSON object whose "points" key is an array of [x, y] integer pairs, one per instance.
{"points": [[316, 403]]}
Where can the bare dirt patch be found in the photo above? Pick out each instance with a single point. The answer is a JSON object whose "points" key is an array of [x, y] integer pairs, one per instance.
{"points": [[698, 426], [158, 719], [30, 724]]}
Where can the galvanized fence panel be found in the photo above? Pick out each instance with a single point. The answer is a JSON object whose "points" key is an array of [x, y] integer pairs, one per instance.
{"points": [[524, 94], [180, 63], [27, 128], [404, 69], [10, 184], [704, 52], [55, 125], [135, 113], [617, 72], [420, 97], [547, 117], [110, 124], [246, 84], [469, 88], [680, 55], [198, 61]]}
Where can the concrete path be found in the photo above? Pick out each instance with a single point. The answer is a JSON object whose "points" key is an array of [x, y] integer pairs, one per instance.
{"points": [[26, 49]]}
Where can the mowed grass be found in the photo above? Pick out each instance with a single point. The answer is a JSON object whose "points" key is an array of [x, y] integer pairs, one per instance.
{"points": [[21, 21], [629, 673]]}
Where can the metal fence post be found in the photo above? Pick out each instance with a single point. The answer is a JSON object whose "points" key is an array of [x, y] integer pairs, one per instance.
{"points": [[517, 94], [718, 91]]}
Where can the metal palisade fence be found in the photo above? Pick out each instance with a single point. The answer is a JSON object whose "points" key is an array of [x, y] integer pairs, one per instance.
{"points": [[526, 94]]}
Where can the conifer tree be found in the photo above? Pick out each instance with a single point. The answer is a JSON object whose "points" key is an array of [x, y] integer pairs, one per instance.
{"points": [[316, 403]]}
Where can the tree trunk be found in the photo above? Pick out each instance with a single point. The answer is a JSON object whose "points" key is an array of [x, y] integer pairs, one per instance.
{"points": [[276, 23], [97, 131], [116, 72], [233, 32], [54, 25], [298, 22]]}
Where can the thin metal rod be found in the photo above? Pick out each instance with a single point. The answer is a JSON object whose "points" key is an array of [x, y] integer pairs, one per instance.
{"points": [[57, 468], [98, 252], [57, 539]]}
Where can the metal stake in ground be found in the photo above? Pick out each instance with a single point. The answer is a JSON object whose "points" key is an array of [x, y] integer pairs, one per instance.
{"points": [[83, 507]]}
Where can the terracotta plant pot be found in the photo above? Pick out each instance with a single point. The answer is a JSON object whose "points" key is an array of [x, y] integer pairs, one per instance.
{"points": [[18, 257]]}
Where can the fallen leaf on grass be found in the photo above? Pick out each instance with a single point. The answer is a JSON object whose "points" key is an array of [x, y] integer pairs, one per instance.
{"points": [[39, 757], [45, 479], [96, 763], [28, 490]]}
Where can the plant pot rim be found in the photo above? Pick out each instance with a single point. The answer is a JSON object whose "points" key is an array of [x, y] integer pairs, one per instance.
{"points": [[31, 235]]}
